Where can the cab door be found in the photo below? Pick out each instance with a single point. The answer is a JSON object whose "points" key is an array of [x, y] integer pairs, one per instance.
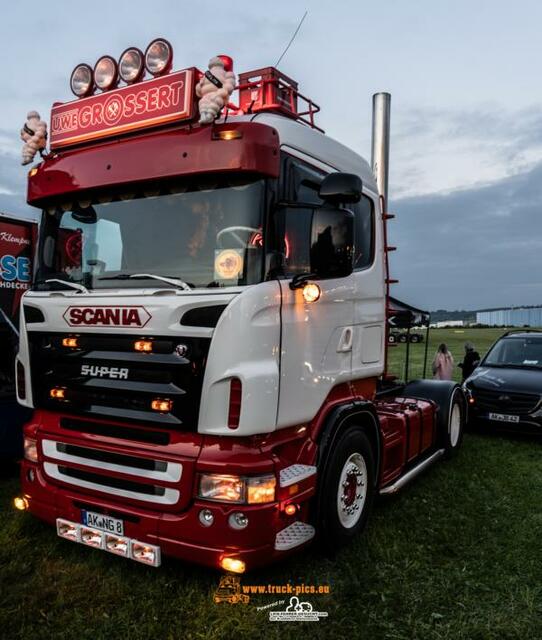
{"points": [[340, 336]]}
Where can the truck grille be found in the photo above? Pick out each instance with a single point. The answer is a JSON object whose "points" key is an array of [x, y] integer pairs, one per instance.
{"points": [[105, 376], [143, 479], [504, 402]]}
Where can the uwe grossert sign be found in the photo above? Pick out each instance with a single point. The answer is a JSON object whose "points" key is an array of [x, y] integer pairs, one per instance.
{"points": [[17, 241], [146, 104]]}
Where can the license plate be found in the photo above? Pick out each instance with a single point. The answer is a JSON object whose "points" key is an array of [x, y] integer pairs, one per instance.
{"points": [[103, 523], [501, 417]]}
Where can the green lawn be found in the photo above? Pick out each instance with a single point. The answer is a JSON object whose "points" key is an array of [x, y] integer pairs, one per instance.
{"points": [[457, 554]]}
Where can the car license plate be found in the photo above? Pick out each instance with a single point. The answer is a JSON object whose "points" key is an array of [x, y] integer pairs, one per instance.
{"points": [[502, 417], [104, 523]]}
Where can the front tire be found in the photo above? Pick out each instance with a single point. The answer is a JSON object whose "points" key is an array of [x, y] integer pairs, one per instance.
{"points": [[347, 489]]}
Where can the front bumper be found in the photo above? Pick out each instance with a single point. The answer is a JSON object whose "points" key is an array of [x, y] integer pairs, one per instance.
{"points": [[181, 534]]}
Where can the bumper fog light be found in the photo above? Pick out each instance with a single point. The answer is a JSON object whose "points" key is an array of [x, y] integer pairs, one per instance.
{"points": [[118, 545], [238, 521], [67, 530], [145, 553], [235, 565], [20, 503], [92, 538], [206, 517]]}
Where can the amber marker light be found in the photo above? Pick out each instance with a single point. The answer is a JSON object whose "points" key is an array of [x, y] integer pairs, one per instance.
{"points": [[290, 509], [72, 343], [145, 346], [20, 503], [311, 292], [228, 134], [163, 405], [235, 565], [32, 172], [57, 394]]}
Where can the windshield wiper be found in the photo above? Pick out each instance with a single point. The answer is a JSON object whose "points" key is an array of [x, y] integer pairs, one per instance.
{"points": [[74, 285], [127, 276]]}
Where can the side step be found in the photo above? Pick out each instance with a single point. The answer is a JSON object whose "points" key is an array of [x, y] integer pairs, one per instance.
{"points": [[293, 536], [410, 475]]}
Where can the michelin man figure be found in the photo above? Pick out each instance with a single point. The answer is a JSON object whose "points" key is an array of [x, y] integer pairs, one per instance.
{"points": [[34, 136], [214, 89]]}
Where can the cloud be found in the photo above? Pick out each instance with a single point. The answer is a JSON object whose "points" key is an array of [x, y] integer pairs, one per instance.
{"points": [[471, 248], [459, 148]]}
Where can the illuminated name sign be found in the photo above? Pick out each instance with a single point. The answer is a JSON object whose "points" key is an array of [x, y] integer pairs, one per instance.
{"points": [[146, 104]]}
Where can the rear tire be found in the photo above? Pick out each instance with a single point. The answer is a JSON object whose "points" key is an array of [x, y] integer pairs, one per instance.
{"points": [[451, 414], [347, 489]]}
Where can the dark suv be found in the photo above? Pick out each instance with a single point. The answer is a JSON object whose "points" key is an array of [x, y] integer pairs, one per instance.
{"points": [[506, 388]]}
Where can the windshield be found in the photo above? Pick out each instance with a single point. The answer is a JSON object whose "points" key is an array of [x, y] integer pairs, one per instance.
{"points": [[520, 352], [205, 235]]}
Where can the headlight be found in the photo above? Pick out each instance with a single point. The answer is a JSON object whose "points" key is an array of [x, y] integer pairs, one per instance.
{"points": [[30, 449], [229, 488]]}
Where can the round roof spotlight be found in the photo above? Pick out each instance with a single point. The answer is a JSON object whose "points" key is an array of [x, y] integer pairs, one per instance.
{"points": [[81, 81], [158, 57], [105, 73], [131, 65]]}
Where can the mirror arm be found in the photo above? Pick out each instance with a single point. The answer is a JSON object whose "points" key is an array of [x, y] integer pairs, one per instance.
{"points": [[301, 279]]}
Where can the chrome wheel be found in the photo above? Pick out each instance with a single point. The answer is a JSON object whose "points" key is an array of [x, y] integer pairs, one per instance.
{"points": [[352, 490]]}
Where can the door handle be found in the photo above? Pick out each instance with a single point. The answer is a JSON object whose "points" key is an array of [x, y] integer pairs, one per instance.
{"points": [[345, 341]]}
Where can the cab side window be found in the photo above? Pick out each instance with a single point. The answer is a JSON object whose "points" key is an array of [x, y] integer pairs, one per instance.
{"points": [[303, 185], [363, 232]]}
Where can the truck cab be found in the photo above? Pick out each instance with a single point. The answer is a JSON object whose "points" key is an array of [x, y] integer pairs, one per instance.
{"points": [[205, 343]]}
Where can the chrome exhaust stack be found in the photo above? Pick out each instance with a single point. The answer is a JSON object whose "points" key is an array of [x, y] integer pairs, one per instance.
{"points": [[380, 152]]}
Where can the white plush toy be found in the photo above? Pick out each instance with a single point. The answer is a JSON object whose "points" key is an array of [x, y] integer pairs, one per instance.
{"points": [[34, 136], [214, 88]]}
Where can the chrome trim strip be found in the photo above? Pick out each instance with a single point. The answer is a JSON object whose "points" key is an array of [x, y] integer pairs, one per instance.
{"points": [[172, 474], [171, 496], [410, 475]]}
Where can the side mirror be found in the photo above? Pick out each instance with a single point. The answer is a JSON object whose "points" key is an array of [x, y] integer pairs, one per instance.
{"points": [[340, 187], [332, 243]]}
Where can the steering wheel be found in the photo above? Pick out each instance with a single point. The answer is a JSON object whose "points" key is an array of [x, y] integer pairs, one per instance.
{"points": [[234, 233]]}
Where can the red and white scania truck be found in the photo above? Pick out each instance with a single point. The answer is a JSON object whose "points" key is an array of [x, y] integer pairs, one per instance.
{"points": [[205, 342]]}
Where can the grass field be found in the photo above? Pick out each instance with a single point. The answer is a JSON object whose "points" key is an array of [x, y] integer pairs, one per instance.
{"points": [[455, 339], [456, 555]]}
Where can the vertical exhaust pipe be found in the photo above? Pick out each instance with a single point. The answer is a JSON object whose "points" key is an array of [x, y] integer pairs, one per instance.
{"points": [[380, 153]]}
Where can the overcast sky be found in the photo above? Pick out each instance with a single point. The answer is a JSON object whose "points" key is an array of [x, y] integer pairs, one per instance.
{"points": [[466, 173]]}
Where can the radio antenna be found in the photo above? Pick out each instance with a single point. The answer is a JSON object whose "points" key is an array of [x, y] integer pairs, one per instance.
{"points": [[292, 39]]}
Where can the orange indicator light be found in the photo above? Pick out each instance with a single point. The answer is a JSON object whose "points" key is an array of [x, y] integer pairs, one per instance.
{"points": [[290, 509], [162, 405], [143, 345], [57, 393], [70, 342], [311, 292]]}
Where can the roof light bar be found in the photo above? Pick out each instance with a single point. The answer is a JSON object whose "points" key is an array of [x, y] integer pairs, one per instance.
{"points": [[82, 80], [158, 57], [131, 65]]}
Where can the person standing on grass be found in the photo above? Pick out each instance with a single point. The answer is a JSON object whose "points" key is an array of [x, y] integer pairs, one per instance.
{"points": [[470, 361], [443, 363]]}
